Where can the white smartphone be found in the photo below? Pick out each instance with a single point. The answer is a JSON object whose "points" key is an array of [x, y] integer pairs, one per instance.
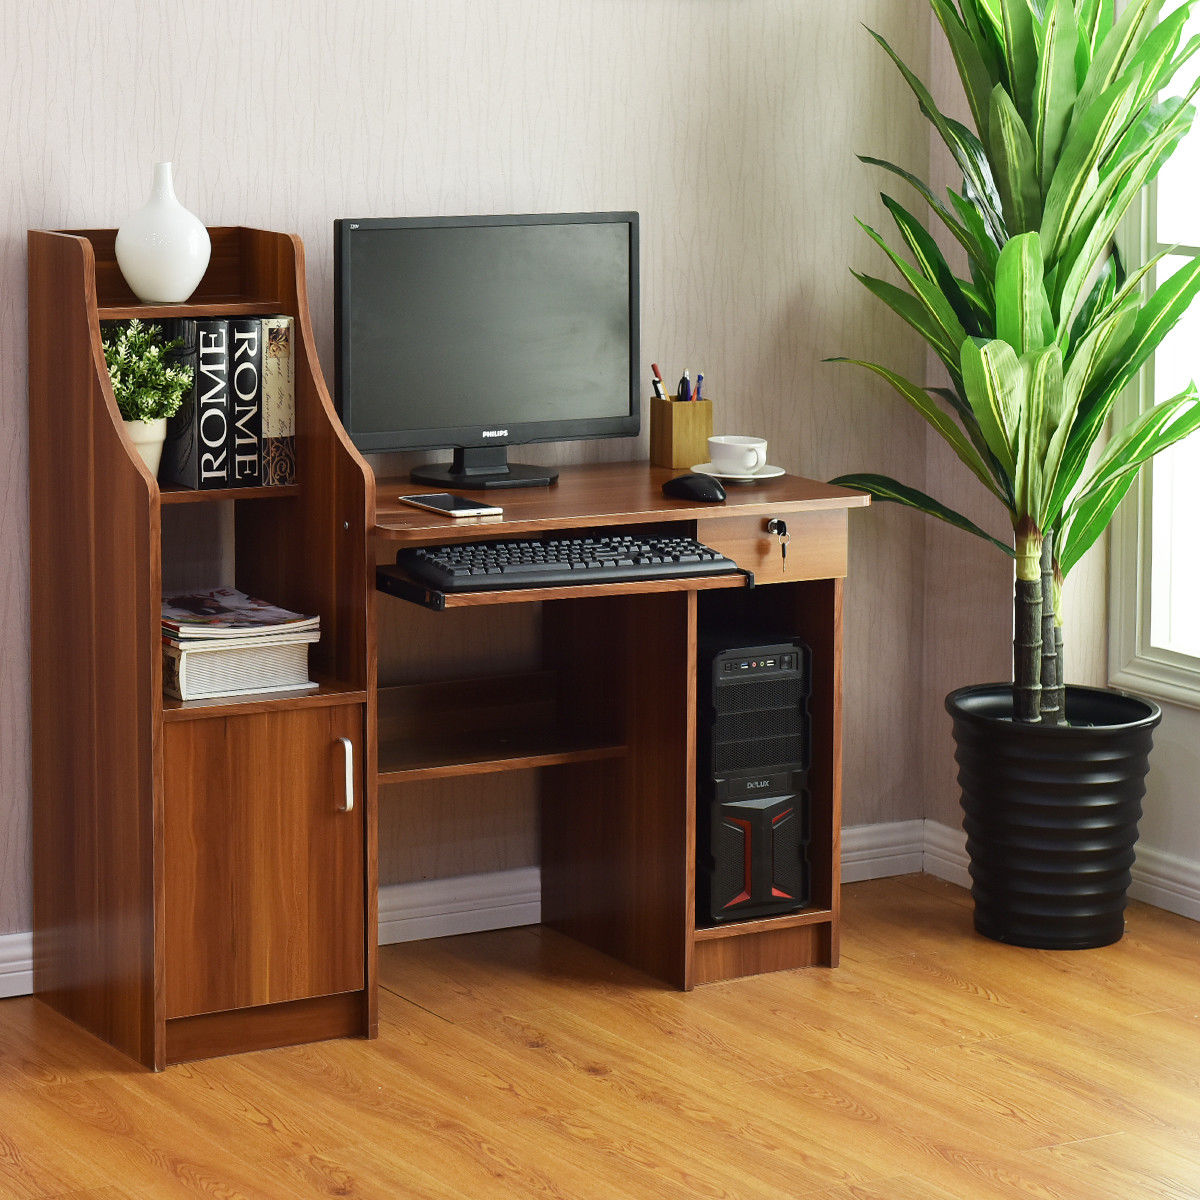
{"points": [[451, 506]]}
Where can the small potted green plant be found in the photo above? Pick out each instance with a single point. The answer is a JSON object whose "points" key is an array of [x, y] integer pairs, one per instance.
{"points": [[148, 383]]}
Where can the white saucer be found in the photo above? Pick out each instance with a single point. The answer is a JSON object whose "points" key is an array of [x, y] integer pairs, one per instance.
{"points": [[767, 472]]}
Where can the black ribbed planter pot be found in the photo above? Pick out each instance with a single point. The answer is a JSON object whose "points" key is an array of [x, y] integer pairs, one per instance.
{"points": [[1051, 813]]}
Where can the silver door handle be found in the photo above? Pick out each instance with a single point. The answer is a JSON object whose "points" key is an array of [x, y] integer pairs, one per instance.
{"points": [[348, 752]]}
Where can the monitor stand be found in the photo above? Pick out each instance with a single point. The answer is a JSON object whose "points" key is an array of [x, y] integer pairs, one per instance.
{"points": [[483, 467]]}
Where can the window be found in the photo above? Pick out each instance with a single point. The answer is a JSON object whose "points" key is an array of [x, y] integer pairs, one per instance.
{"points": [[1155, 567]]}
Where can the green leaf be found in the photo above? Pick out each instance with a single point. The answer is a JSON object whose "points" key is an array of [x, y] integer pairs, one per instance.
{"points": [[966, 148], [1014, 163], [1114, 49], [1078, 171], [967, 418], [977, 75], [984, 258], [1089, 521], [1023, 317], [1081, 256], [1041, 414], [1097, 300], [989, 14], [978, 245], [884, 488], [943, 424], [1156, 319], [1145, 436], [980, 306], [1095, 20], [940, 310], [1101, 346], [1155, 60], [979, 184], [1091, 511], [1020, 52], [1054, 89], [933, 265], [993, 383], [913, 312]]}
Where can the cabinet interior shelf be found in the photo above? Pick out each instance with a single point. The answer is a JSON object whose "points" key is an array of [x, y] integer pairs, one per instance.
{"points": [[218, 306], [328, 692], [173, 494], [481, 726]]}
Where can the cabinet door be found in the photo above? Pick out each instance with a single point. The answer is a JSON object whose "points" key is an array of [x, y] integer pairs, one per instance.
{"points": [[263, 865]]}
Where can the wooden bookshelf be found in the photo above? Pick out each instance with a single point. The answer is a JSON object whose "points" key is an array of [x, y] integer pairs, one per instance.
{"points": [[176, 843]]}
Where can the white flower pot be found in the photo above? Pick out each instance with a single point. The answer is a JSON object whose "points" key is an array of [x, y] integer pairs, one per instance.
{"points": [[163, 249], [148, 438]]}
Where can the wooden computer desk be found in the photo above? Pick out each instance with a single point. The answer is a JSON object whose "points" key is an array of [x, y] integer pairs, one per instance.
{"points": [[205, 871], [610, 718]]}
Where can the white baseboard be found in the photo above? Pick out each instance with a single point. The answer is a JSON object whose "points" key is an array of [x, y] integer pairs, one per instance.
{"points": [[904, 848], [1167, 881], [16, 964], [877, 851], [471, 903], [946, 853], [464, 904]]}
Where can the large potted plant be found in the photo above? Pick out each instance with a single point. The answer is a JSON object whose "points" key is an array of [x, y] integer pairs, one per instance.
{"points": [[1039, 335]]}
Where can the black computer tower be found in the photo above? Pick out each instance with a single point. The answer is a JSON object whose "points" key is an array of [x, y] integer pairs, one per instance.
{"points": [[753, 808]]}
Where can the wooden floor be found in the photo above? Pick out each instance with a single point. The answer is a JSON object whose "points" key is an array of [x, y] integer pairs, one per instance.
{"points": [[931, 1065]]}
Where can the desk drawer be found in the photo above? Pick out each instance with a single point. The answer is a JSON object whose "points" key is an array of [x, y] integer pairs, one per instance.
{"points": [[817, 549]]}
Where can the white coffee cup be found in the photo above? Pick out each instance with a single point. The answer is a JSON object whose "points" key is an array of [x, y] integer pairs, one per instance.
{"points": [[735, 455]]}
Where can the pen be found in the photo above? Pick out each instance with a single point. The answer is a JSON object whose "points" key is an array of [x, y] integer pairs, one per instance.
{"points": [[659, 390], [685, 388]]}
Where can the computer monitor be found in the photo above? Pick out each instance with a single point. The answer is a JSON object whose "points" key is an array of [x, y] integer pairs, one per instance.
{"points": [[479, 333]]}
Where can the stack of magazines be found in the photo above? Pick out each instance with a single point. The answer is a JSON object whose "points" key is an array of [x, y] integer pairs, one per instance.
{"points": [[225, 643]]}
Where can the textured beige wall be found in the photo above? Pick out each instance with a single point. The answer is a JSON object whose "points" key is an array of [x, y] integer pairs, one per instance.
{"points": [[730, 124]]}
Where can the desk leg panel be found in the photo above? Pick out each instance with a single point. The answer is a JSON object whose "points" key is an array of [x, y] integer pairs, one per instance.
{"points": [[617, 859]]}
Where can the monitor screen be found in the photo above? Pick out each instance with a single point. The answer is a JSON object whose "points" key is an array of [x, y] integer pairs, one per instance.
{"points": [[474, 332]]}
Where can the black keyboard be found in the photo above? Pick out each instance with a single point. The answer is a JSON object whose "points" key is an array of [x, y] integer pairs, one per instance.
{"points": [[601, 558]]}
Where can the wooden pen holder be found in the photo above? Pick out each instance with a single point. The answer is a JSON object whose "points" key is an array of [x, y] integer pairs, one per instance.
{"points": [[679, 432]]}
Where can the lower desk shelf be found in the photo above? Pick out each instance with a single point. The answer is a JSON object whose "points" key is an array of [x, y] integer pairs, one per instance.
{"points": [[734, 929], [481, 726]]}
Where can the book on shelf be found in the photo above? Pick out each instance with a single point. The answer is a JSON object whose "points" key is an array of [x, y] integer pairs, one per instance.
{"points": [[237, 424], [204, 668], [245, 387], [196, 452], [227, 613], [278, 400], [222, 642]]}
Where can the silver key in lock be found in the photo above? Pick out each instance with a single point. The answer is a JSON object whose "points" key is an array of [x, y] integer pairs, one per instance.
{"points": [[780, 530]]}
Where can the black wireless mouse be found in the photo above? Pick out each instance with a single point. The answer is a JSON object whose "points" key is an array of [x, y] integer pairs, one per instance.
{"points": [[695, 487]]}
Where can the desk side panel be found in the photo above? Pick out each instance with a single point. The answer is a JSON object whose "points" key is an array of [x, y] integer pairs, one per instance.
{"points": [[617, 873]]}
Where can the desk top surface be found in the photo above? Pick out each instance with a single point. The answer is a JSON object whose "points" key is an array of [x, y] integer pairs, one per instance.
{"points": [[599, 494]]}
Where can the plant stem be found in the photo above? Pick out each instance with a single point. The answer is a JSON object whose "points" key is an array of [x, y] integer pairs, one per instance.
{"points": [[1027, 624], [1060, 663], [1051, 699]]}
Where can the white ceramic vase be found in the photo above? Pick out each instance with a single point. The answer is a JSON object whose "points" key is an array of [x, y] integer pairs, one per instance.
{"points": [[148, 438], [163, 249]]}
